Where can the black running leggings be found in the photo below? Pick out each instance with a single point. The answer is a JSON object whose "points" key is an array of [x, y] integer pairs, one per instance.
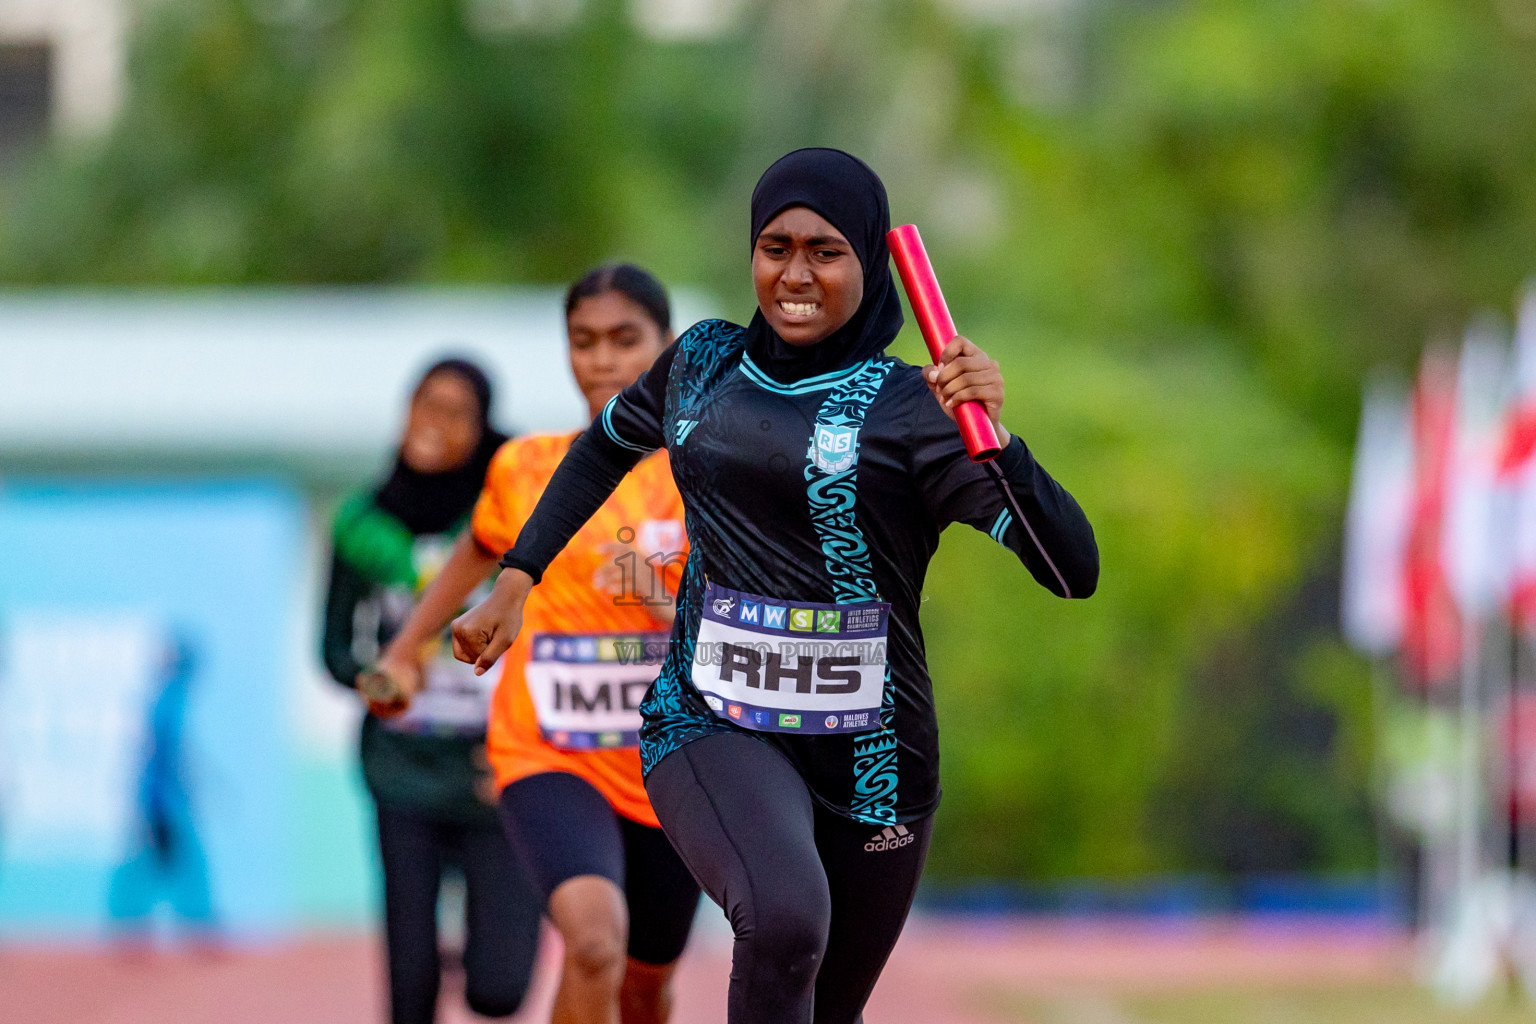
{"points": [[816, 901], [501, 910], [562, 828]]}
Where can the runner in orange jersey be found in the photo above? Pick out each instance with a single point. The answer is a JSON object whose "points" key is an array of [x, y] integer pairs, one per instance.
{"points": [[565, 717]]}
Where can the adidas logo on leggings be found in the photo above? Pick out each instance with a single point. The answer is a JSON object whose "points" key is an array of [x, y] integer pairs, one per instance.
{"points": [[891, 838]]}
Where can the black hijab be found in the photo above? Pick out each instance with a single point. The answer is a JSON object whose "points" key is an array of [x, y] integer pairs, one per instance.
{"points": [[850, 196], [435, 502]]}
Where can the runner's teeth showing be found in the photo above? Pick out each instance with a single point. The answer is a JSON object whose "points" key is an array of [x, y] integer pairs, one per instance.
{"points": [[799, 308]]}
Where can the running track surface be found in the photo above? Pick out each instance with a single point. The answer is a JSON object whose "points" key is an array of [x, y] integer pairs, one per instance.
{"points": [[944, 971]]}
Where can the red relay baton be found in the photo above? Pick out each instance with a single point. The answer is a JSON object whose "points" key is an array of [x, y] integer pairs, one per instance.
{"points": [[938, 329]]}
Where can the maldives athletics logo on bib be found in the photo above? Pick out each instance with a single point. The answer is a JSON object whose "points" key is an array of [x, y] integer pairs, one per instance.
{"points": [[834, 447]]}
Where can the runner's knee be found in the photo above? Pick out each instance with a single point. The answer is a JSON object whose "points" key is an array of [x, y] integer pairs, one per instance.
{"points": [[589, 913], [596, 949], [788, 933]]}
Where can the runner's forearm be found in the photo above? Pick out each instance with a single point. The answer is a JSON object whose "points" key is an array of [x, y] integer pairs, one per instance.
{"points": [[467, 566], [1045, 526]]}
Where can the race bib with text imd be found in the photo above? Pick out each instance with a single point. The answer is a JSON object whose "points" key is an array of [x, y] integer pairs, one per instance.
{"points": [[587, 689]]}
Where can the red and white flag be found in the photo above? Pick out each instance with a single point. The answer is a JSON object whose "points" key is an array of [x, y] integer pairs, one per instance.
{"points": [[1516, 468], [1476, 562], [1431, 623]]}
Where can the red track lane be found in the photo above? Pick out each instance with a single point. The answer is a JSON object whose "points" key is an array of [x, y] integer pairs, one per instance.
{"points": [[943, 972]]}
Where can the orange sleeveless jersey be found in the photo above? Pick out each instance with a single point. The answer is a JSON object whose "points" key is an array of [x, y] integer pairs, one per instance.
{"points": [[565, 601]]}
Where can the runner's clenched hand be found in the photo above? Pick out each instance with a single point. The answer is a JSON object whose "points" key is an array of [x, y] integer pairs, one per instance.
{"points": [[965, 373], [483, 634]]}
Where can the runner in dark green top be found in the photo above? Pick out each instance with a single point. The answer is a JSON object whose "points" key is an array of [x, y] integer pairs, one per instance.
{"points": [[426, 768]]}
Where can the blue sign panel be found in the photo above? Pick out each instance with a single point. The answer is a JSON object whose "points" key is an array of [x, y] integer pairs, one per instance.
{"points": [[148, 773]]}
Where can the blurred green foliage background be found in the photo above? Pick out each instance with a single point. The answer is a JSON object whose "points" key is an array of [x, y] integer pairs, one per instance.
{"points": [[1186, 228]]}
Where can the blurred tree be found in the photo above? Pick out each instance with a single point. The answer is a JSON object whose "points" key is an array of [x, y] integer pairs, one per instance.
{"points": [[1069, 728], [1186, 228], [1357, 175]]}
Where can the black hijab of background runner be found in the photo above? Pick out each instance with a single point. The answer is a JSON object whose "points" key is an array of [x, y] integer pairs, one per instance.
{"points": [[435, 502], [851, 197]]}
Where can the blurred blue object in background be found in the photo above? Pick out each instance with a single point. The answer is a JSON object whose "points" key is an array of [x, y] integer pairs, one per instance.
{"points": [[166, 859], [96, 579]]}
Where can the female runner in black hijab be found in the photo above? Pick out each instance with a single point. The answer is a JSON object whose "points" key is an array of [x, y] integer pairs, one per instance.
{"points": [[426, 769], [790, 741]]}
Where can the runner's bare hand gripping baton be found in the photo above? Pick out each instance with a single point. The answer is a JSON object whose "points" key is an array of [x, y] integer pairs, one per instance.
{"points": [[938, 329]]}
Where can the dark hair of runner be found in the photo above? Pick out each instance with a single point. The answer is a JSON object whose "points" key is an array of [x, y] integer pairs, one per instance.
{"points": [[628, 280]]}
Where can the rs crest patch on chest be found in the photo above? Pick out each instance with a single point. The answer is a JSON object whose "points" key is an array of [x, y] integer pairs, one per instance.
{"points": [[833, 448]]}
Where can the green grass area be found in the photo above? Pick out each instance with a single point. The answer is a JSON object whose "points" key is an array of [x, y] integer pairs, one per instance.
{"points": [[1331, 1004]]}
